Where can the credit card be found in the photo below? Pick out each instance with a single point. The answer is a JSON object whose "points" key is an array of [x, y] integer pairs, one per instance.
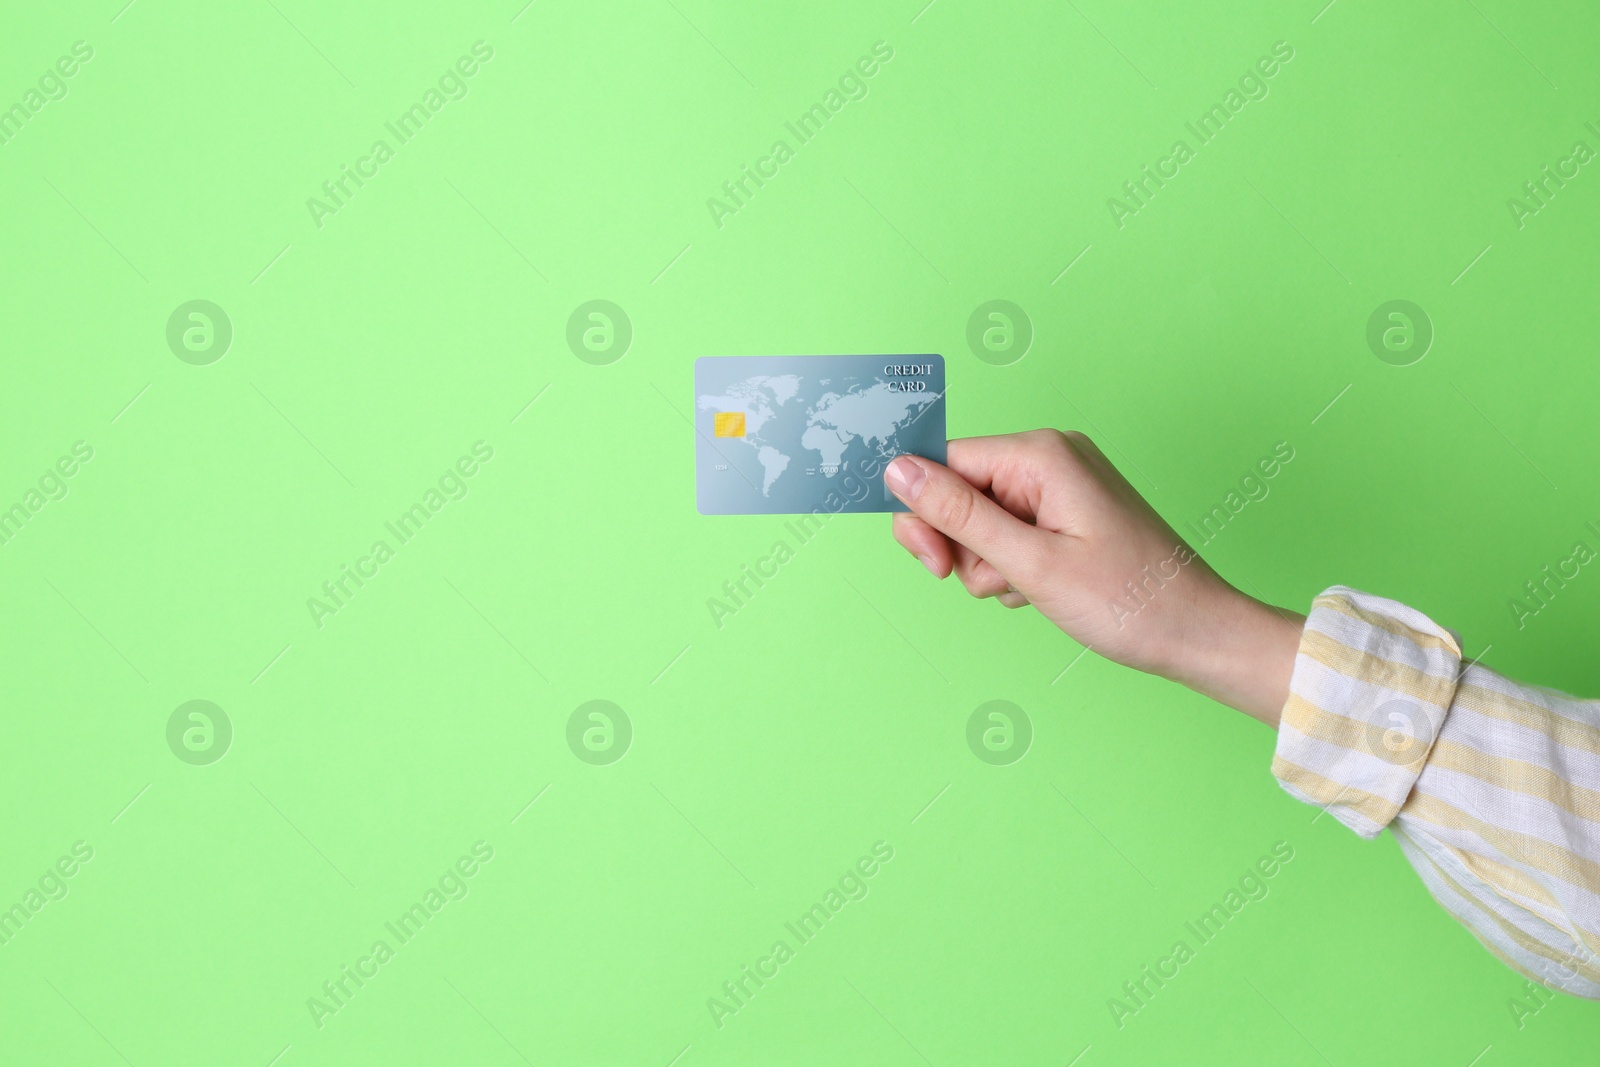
{"points": [[792, 435]]}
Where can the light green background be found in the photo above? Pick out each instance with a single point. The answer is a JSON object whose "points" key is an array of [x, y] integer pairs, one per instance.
{"points": [[771, 753]]}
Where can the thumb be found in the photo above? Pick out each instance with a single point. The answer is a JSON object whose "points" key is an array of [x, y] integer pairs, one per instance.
{"points": [[948, 502]]}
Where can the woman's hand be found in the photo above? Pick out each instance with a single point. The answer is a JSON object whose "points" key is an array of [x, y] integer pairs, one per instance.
{"points": [[1043, 518]]}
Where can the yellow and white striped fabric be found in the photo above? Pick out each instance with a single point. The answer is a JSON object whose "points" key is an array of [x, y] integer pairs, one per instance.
{"points": [[1492, 788]]}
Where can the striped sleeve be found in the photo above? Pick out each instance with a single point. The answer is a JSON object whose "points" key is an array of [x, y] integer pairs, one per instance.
{"points": [[1491, 788]]}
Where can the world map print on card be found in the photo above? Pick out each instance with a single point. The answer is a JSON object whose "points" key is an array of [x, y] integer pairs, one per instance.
{"points": [[798, 434]]}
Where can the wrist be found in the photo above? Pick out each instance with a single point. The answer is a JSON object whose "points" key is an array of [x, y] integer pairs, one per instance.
{"points": [[1240, 652]]}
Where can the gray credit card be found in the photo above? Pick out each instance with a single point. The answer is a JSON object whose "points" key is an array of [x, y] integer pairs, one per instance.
{"points": [[789, 435]]}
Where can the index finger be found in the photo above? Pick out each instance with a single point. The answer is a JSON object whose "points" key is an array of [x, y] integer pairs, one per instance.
{"points": [[980, 459]]}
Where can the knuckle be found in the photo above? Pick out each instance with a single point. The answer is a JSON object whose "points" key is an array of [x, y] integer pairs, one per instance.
{"points": [[1075, 449], [956, 511], [1068, 444], [1077, 444]]}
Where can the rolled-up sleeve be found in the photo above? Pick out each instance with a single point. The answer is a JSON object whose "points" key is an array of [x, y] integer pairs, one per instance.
{"points": [[1491, 787]]}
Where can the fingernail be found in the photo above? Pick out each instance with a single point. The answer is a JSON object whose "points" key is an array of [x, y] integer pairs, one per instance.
{"points": [[904, 478], [927, 561]]}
